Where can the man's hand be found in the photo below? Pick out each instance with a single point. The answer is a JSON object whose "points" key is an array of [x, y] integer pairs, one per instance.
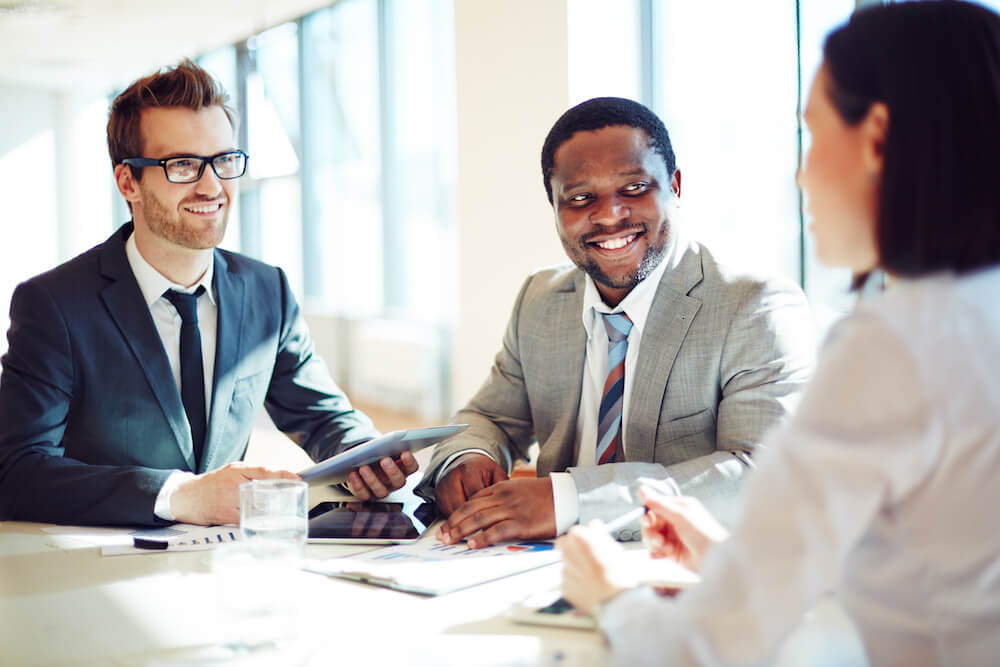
{"points": [[378, 481], [213, 498], [509, 510], [471, 474]]}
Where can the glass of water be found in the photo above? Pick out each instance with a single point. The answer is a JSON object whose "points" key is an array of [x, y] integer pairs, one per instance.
{"points": [[273, 521]]}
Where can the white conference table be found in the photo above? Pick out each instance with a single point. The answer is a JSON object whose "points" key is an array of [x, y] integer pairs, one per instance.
{"points": [[63, 603]]}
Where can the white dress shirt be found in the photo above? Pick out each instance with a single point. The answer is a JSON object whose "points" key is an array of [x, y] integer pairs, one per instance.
{"points": [[882, 487], [153, 284]]}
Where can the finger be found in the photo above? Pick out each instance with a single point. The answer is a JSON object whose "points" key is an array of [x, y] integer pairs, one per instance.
{"points": [[408, 463], [449, 493], [497, 532], [374, 484], [393, 474], [484, 519], [473, 481], [357, 486]]}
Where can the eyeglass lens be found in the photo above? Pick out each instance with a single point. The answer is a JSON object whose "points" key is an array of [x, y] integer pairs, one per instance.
{"points": [[187, 169]]}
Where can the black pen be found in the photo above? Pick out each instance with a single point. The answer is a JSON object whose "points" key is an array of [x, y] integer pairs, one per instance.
{"points": [[148, 543]]}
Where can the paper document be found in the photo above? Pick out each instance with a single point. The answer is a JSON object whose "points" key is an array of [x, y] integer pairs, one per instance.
{"points": [[122, 541], [432, 568]]}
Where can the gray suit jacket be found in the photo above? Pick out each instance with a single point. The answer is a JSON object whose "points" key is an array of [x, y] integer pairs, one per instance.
{"points": [[722, 359]]}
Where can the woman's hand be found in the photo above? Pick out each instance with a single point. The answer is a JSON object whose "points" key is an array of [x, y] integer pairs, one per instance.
{"points": [[592, 571], [679, 527]]}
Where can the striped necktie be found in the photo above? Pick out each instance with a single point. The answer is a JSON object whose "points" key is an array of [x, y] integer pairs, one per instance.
{"points": [[609, 417]]}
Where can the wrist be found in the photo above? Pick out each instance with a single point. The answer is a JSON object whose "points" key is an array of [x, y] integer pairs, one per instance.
{"points": [[601, 605]]}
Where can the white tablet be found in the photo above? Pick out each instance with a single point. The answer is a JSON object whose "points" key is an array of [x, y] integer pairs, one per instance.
{"points": [[336, 468]]}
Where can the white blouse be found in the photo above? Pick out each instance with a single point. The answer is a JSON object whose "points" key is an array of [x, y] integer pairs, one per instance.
{"points": [[884, 487]]}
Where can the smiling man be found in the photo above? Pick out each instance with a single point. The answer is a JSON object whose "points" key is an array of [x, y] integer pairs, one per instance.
{"points": [[135, 371], [646, 359]]}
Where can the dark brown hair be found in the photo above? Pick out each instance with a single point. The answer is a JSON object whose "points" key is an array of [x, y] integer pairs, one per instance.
{"points": [[187, 85], [936, 66]]}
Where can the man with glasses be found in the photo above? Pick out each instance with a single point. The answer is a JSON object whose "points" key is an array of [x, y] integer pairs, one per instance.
{"points": [[135, 371]]}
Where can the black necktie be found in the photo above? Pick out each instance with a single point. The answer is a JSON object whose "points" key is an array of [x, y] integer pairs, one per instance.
{"points": [[192, 373]]}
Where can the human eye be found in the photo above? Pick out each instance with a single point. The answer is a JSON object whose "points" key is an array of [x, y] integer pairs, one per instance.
{"points": [[578, 200], [183, 163], [637, 188]]}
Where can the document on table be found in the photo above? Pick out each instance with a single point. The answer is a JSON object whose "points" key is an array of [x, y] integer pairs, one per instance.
{"points": [[122, 541], [429, 567]]}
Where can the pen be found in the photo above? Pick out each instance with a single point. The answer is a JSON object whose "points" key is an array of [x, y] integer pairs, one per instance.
{"points": [[148, 543], [625, 519]]}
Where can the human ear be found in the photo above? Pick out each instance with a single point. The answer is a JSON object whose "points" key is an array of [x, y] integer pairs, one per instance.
{"points": [[875, 130], [127, 185], [675, 182]]}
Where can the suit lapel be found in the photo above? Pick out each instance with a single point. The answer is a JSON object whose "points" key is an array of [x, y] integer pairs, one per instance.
{"points": [[230, 296], [564, 328], [670, 317], [127, 307]]}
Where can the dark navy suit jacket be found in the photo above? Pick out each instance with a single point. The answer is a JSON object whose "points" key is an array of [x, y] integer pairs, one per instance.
{"points": [[91, 420]]}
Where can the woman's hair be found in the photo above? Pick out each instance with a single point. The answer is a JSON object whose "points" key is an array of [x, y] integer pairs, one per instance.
{"points": [[936, 66]]}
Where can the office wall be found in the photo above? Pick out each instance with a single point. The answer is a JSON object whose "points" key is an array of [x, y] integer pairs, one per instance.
{"points": [[54, 181], [511, 81]]}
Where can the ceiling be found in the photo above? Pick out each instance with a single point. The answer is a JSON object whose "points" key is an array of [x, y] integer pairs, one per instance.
{"points": [[97, 44]]}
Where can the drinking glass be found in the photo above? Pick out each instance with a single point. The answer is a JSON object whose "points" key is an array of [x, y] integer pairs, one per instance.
{"points": [[273, 521]]}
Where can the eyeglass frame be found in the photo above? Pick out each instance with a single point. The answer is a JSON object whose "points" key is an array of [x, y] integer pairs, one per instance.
{"points": [[210, 159]]}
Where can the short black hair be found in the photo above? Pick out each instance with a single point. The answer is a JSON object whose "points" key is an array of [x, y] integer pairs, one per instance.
{"points": [[936, 66], [598, 113]]}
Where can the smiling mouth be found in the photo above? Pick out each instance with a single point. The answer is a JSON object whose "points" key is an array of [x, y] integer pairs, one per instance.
{"points": [[615, 243], [204, 208]]}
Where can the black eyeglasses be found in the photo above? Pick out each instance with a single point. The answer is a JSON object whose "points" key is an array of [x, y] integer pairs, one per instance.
{"points": [[189, 168]]}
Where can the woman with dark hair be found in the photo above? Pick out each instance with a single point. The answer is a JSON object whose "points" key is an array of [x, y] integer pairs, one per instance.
{"points": [[885, 485]]}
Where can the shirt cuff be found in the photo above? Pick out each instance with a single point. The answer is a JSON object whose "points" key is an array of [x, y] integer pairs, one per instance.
{"points": [[162, 506], [447, 465], [567, 504]]}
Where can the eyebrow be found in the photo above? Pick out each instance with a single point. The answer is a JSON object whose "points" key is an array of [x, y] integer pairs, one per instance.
{"points": [[635, 171]]}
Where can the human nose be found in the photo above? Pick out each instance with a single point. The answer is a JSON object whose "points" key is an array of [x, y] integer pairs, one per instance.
{"points": [[209, 183], [610, 211]]}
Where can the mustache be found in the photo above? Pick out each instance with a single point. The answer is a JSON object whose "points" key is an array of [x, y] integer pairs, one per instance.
{"points": [[611, 231]]}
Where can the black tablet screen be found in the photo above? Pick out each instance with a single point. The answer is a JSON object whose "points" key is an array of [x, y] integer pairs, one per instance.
{"points": [[369, 520]]}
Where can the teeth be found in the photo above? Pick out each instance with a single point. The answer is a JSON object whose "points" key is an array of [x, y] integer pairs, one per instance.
{"points": [[211, 208], [614, 244]]}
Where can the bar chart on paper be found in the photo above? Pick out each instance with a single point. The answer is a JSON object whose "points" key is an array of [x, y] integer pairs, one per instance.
{"points": [[432, 568]]}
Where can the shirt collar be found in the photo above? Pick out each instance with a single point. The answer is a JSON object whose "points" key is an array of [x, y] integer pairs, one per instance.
{"points": [[153, 284], [636, 303]]}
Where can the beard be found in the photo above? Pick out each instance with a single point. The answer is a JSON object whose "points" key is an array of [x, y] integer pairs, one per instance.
{"points": [[167, 224], [580, 254]]}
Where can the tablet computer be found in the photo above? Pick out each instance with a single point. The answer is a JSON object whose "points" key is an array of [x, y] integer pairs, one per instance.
{"points": [[336, 468], [354, 522]]}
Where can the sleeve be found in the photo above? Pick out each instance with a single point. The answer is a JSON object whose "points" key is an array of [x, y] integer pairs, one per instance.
{"points": [[857, 443], [767, 356], [302, 399], [498, 415], [37, 482]]}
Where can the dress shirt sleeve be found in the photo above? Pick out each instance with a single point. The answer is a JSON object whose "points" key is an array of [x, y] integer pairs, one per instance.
{"points": [[857, 444], [567, 511], [162, 506]]}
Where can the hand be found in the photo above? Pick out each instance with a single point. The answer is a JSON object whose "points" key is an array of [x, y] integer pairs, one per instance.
{"points": [[592, 572], [213, 498], [511, 509], [679, 527], [378, 481], [471, 474]]}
